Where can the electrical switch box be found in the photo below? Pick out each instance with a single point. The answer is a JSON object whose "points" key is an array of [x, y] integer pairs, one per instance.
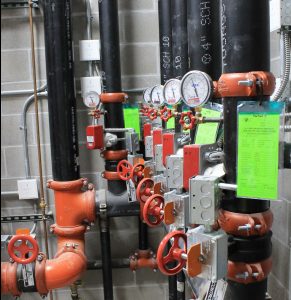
{"points": [[95, 139], [89, 50], [174, 171], [213, 252], [158, 158], [27, 189], [204, 199], [149, 146]]}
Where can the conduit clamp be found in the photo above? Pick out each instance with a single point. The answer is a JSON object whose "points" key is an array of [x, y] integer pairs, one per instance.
{"points": [[245, 224], [109, 175], [143, 259], [250, 84], [175, 254], [40, 274], [114, 154], [113, 97], [249, 272]]}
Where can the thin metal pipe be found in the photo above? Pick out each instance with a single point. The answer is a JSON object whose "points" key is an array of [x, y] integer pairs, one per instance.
{"points": [[89, 31], [41, 184], [23, 92]]}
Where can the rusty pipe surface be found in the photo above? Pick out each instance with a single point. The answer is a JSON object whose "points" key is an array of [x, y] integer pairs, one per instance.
{"points": [[74, 208]]}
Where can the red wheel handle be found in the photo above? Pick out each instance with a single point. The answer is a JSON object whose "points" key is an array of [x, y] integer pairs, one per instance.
{"points": [[187, 120], [174, 254], [124, 170], [137, 173], [152, 114], [152, 210], [23, 250], [166, 114], [144, 189]]}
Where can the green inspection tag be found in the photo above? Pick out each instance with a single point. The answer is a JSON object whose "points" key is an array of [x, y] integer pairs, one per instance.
{"points": [[207, 132], [258, 154], [131, 118]]}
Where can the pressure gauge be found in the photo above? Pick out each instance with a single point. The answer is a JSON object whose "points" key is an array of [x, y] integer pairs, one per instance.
{"points": [[196, 88], [92, 99], [157, 96], [147, 96], [171, 92]]}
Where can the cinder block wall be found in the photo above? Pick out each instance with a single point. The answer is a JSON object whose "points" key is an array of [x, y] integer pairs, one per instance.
{"points": [[140, 68]]}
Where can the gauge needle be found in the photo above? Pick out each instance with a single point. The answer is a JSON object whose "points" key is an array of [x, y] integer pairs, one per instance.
{"points": [[173, 92], [159, 96], [195, 89]]}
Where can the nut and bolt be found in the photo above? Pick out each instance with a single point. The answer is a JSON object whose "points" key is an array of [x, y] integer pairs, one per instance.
{"points": [[52, 230], [243, 275], [39, 257], [201, 258], [11, 260], [245, 227], [155, 270]]}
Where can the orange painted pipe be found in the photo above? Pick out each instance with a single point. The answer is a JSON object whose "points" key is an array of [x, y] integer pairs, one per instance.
{"points": [[74, 207]]}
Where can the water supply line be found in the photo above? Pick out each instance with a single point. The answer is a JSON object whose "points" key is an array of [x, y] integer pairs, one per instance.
{"points": [[287, 64], [43, 203]]}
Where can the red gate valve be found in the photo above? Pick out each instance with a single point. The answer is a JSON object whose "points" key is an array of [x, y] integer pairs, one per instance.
{"points": [[175, 254], [124, 170], [20, 251], [153, 210], [144, 110], [152, 114], [187, 120], [137, 173], [145, 189], [166, 114]]}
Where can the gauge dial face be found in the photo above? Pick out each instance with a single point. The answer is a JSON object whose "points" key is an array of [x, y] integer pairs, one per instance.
{"points": [[147, 96], [91, 99], [157, 96], [172, 92], [196, 88]]}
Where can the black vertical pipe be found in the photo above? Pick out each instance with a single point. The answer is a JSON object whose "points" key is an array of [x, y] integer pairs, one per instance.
{"points": [[245, 47], [165, 32], [181, 286], [179, 45], [166, 69], [61, 90], [204, 37], [143, 235], [106, 257], [111, 75]]}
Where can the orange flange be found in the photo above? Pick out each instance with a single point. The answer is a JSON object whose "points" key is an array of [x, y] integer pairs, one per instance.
{"points": [[9, 279], [250, 84], [143, 259], [113, 97], [249, 272], [114, 155], [245, 224]]}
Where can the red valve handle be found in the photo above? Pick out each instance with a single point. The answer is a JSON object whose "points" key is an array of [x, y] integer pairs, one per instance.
{"points": [[144, 189], [166, 114], [152, 210], [144, 111], [23, 249], [173, 255], [187, 120], [124, 170], [152, 114], [137, 173]]}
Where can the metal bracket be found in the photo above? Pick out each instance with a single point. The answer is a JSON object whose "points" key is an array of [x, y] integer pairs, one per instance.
{"points": [[26, 218]]}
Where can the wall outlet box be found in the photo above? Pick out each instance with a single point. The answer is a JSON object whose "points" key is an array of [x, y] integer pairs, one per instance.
{"points": [[27, 189], [90, 84], [89, 50]]}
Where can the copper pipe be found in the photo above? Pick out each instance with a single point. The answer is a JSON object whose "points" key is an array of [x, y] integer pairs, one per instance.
{"points": [[42, 199]]}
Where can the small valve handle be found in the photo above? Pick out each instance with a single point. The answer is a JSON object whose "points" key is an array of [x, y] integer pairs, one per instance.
{"points": [[19, 253], [144, 111], [144, 189], [152, 210], [137, 173], [124, 170], [187, 120], [152, 114], [174, 254], [166, 114]]}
